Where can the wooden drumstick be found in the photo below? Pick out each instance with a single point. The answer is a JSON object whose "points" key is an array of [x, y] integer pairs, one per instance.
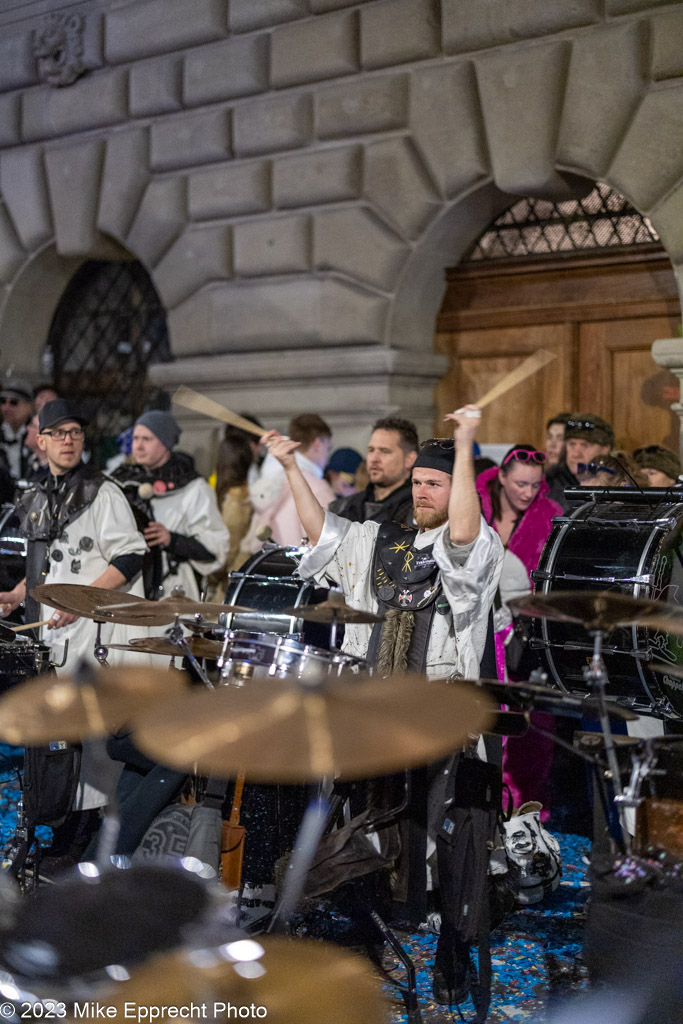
{"points": [[29, 625], [200, 403], [531, 365]]}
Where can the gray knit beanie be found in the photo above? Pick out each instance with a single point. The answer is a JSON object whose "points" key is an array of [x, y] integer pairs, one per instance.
{"points": [[163, 425]]}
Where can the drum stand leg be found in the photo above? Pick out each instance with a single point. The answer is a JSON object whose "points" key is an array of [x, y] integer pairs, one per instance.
{"points": [[101, 650], [596, 677], [176, 636]]}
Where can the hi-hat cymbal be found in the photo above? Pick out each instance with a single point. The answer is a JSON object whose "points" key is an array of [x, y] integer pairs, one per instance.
{"points": [[283, 730], [543, 698], [160, 613], [601, 610], [51, 707], [82, 600], [297, 981], [334, 609]]}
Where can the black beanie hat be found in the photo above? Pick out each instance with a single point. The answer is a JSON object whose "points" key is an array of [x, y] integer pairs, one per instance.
{"points": [[437, 454]]}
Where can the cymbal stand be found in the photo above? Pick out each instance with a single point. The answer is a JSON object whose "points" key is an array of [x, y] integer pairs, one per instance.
{"points": [[101, 650], [596, 678], [176, 636]]}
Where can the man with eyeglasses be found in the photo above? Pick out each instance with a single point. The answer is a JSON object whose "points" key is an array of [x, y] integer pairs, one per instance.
{"points": [[587, 436], [16, 403]]}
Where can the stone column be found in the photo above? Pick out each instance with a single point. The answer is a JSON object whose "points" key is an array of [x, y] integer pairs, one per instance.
{"points": [[668, 352]]}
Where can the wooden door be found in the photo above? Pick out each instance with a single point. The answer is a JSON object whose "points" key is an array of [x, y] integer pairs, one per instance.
{"points": [[598, 315]]}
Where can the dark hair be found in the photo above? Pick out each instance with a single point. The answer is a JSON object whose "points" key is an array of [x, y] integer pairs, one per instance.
{"points": [[562, 417], [44, 387], [231, 432], [232, 463], [406, 431], [494, 484], [306, 428]]}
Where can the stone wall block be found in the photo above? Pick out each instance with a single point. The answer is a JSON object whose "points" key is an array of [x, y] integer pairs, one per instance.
{"points": [[373, 105], [124, 179], [24, 189], [271, 125], [156, 87], [602, 65], [198, 256], [396, 31], [245, 14], [297, 313], [95, 101], [396, 182], [12, 254], [482, 23], [17, 63], [521, 94], [278, 246], [190, 139], [322, 6], [144, 27], [667, 44], [650, 159], [315, 49], [616, 7], [331, 175], [236, 67], [73, 179], [229, 190], [10, 119], [160, 218], [356, 243], [447, 125], [668, 220]]}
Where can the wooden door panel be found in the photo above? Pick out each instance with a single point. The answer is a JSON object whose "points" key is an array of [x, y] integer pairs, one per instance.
{"points": [[480, 358], [620, 381]]}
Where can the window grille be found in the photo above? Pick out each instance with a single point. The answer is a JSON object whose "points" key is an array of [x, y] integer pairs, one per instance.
{"points": [[536, 227], [108, 328]]}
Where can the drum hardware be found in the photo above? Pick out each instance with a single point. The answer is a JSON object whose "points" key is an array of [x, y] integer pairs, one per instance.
{"points": [[304, 730], [36, 711], [540, 577], [335, 612], [601, 611], [532, 697], [246, 656], [645, 496]]}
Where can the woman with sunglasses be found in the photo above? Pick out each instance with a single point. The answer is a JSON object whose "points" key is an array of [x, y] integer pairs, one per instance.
{"points": [[515, 502]]}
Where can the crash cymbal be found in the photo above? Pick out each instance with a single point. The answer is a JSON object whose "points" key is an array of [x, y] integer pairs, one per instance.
{"points": [[297, 981], [601, 610], [333, 610], [200, 647], [58, 707], [160, 613], [543, 698], [81, 600], [283, 730]]}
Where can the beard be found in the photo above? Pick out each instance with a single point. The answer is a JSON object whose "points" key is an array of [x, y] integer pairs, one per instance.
{"points": [[429, 518]]}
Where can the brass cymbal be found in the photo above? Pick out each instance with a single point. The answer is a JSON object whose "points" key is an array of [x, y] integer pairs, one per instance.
{"points": [[51, 707], [334, 609], [545, 698], [601, 610], [200, 647], [82, 600], [283, 730], [160, 613], [667, 670], [298, 981]]}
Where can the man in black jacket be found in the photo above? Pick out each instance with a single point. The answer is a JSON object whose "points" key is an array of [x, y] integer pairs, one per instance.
{"points": [[388, 497]]}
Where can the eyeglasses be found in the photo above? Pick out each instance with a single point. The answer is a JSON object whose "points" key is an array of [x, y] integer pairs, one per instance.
{"points": [[76, 433], [580, 425], [446, 443], [593, 468], [9, 401], [522, 455]]}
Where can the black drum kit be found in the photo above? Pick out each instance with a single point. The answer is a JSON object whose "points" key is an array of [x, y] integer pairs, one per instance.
{"points": [[279, 708]]}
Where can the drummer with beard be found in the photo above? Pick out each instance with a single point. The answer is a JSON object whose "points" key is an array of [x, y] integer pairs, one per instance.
{"points": [[176, 509], [435, 587]]}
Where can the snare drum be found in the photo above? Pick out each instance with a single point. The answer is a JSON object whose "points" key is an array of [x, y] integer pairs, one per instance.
{"points": [[631, 549], [267, 655], [266, 582]]}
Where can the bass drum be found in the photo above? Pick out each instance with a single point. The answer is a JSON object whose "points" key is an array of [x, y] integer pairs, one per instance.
{"points": [[626, 548], [266, 582], [12, 549]]}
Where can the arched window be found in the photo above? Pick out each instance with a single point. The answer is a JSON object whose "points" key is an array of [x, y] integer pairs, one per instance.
{"points": [[108, 328], [536, 227]]}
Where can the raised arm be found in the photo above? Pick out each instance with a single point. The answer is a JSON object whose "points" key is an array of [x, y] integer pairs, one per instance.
{"points": [[308, 508], [464, 510]]}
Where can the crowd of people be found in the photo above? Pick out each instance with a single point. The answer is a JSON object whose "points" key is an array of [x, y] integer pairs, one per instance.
{"points": [[430, 535]]}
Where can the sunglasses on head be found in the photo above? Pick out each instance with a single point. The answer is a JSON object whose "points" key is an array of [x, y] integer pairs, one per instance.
{"points": [[580, 425], [593, 468], [447, 443], [522, 455]]}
